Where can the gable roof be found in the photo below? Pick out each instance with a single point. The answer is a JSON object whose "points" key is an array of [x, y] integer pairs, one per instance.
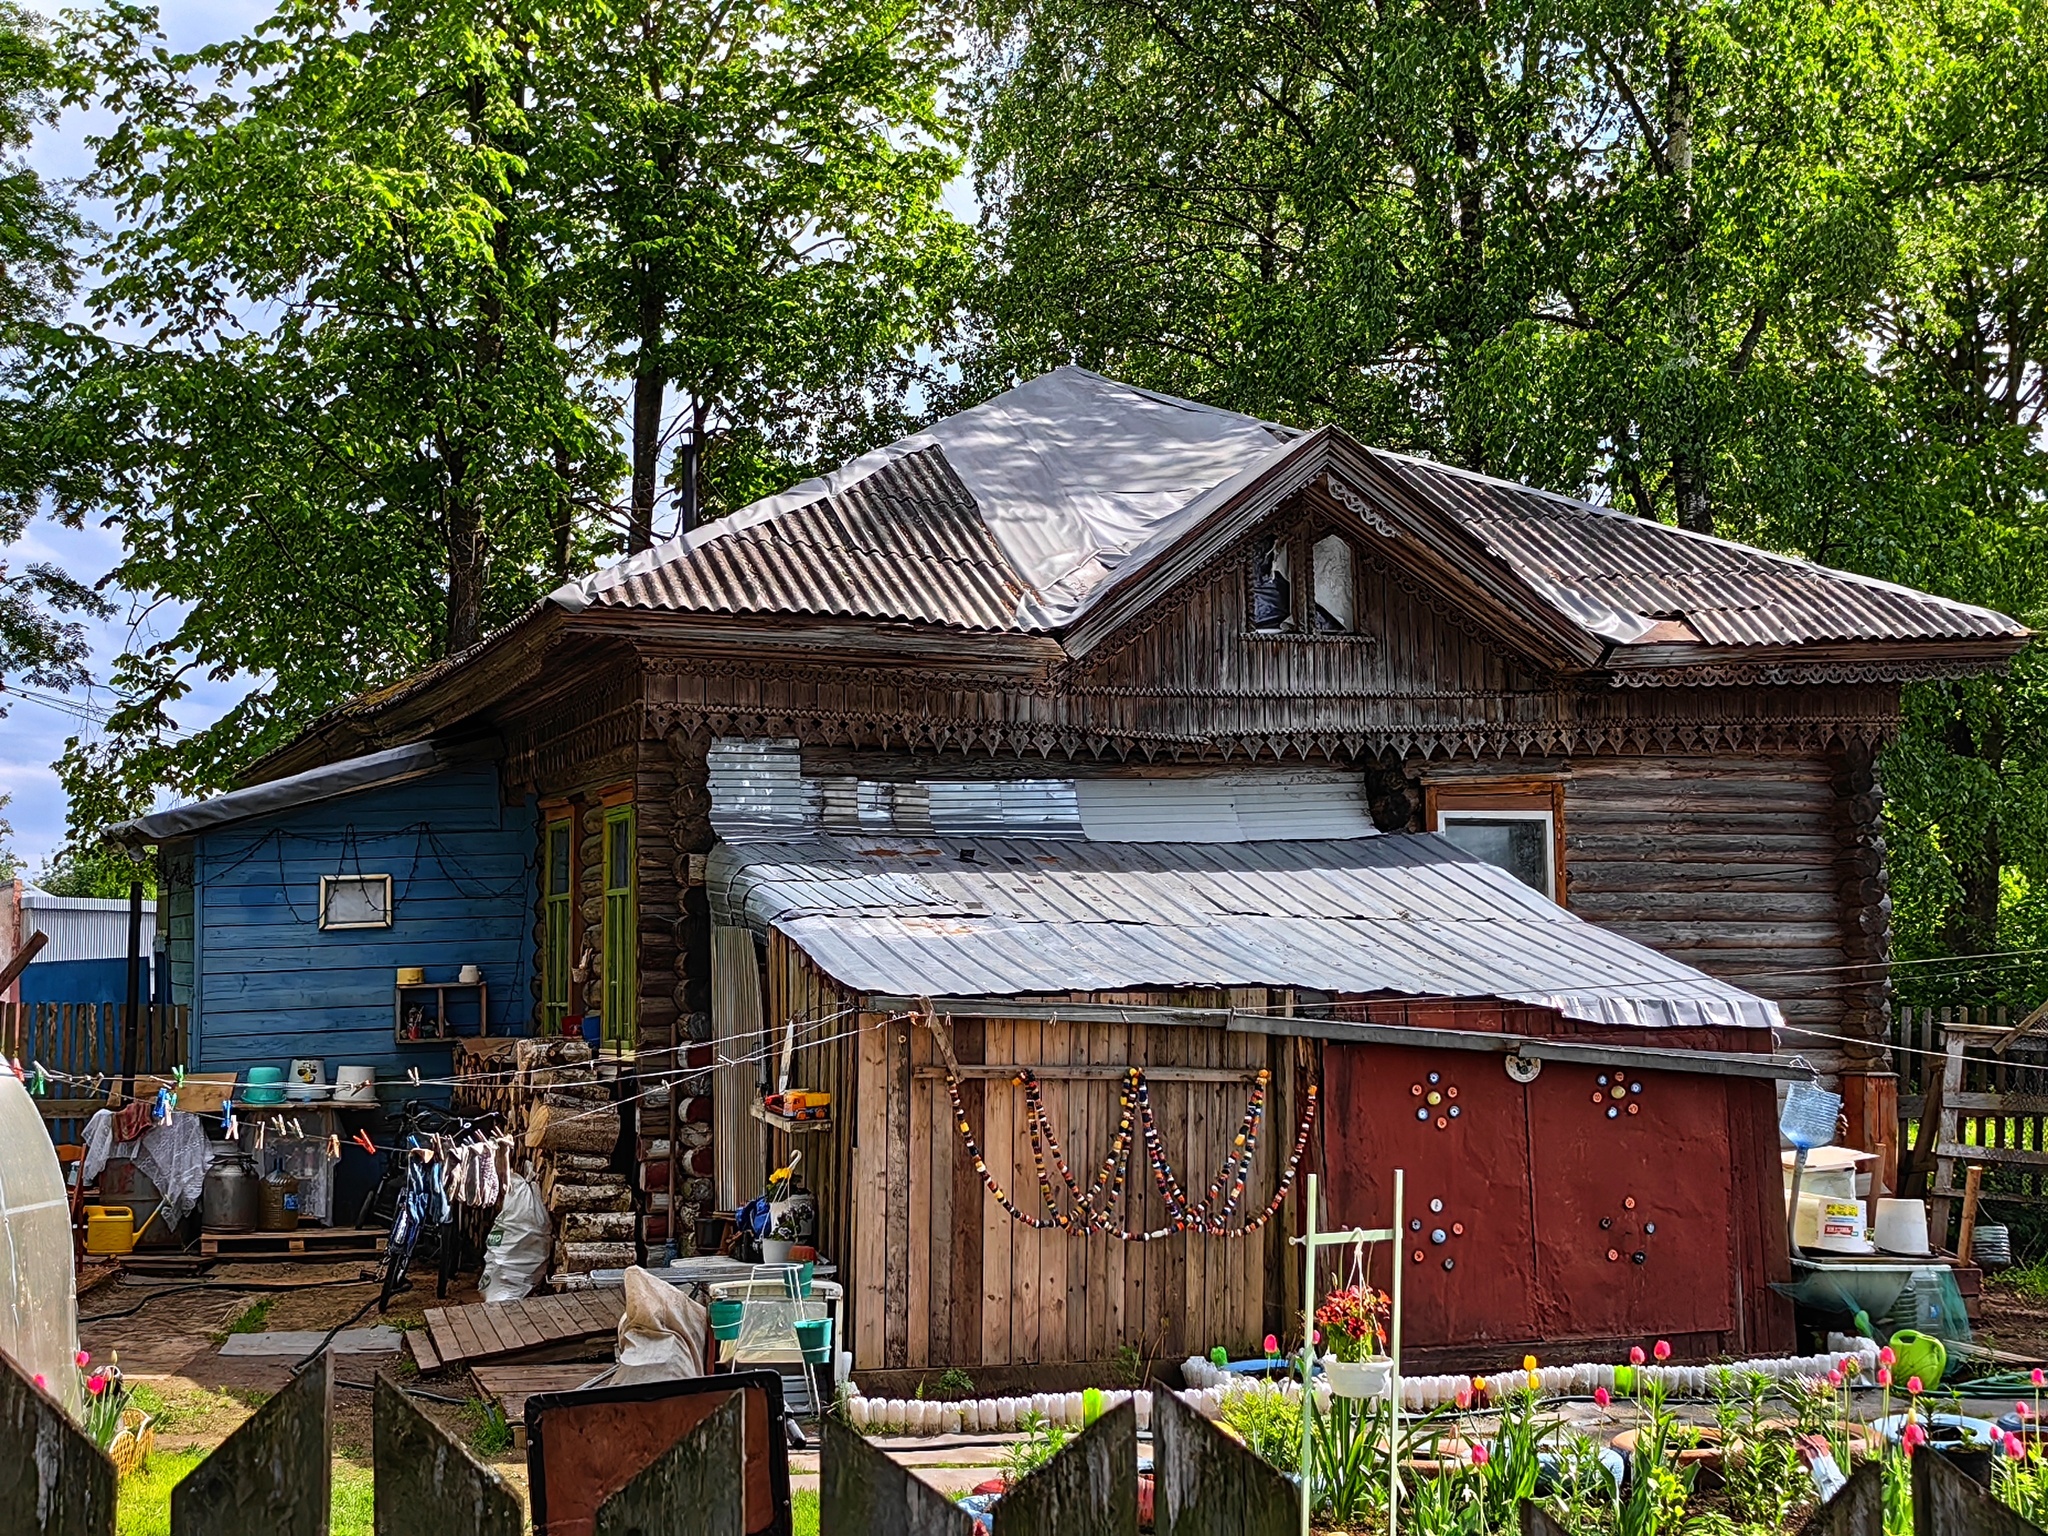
{"points": [[1036, 511]]}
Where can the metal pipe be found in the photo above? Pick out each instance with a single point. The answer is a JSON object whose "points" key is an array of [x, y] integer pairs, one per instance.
{"points": [[129, 1020]]}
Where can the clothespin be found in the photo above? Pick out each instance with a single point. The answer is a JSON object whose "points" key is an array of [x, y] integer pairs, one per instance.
{"points": [[160, 1111], [178, 1077], [41, 1086], [227, 1115], [234, 1126], [414, 1074], [362, 1139], [334, 1148]]}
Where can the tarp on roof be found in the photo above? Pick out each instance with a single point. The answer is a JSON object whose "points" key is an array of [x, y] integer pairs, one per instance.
{"points": [[1410, 916], [342, 778]]}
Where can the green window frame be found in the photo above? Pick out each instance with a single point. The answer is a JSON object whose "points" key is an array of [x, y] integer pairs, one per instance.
{"points": [[558, 903], [621, 973]]}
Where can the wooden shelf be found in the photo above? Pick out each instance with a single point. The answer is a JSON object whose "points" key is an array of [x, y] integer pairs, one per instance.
{"points": [[786, 1125], [413, 993]]}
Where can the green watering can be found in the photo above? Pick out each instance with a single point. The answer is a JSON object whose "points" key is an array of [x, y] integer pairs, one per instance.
{"points": [[1918, 1354]]}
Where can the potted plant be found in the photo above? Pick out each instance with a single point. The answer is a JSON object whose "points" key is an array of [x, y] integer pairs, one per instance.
{"points": [[1354, 1328]]}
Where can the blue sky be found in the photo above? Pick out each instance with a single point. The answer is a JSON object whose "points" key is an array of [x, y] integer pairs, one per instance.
{"points": [[32, 735]]}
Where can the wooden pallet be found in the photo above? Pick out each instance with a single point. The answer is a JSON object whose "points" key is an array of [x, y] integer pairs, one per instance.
{"points": [[509, 1386], [305, 1243], [531, 1330]]}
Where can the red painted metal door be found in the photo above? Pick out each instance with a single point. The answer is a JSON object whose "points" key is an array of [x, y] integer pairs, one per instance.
{"points": [[1634, 1211], [1459, 1127]]}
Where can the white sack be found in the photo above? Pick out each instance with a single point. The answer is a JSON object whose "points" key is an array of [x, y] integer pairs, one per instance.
{"points": [[517, 1257]]}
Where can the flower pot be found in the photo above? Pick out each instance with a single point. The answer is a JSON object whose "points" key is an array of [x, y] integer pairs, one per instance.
{"points": [[1705, 1452], [725, 1319], [775, 1251], [1369, 1377]]}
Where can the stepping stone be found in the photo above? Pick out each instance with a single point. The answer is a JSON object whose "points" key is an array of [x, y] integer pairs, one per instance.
{"points": [[300, 1342]]}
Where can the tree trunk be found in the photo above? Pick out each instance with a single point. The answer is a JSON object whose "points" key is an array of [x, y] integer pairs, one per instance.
{"points": [[693, 467], [1976, 852], [565, 514], [465, 570], [650, 385]]}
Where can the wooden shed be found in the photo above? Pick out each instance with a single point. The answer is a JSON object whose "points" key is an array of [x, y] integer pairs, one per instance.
{"points": [[1581, 1097]]}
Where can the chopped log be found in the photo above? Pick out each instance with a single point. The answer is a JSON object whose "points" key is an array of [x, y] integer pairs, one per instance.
{"points": [[586, 1197], [551, 1128], [597, 1227], [582, 1258], [580, 1162]]}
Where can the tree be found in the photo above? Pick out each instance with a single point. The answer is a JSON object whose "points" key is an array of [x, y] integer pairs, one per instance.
{"points": [[759, 190], [1769, 270], [37, 275]]}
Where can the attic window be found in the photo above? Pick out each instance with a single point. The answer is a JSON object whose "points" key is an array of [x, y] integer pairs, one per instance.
{"points": [[1272, 594], [1333, 586]]}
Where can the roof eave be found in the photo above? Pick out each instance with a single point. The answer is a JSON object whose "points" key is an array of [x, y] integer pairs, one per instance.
{"points": [[1831, 662]]}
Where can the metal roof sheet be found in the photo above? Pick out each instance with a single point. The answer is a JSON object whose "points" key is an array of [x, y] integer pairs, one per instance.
{"points": [[1018, 513], [370, 771], [1408, 915]]}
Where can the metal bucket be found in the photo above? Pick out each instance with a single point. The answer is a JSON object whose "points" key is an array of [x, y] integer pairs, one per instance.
{"points": [[231, 1200], [123, 1182]]}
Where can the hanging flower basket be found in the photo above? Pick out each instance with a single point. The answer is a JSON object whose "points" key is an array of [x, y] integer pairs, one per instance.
{"points": [[1369, 1377]]}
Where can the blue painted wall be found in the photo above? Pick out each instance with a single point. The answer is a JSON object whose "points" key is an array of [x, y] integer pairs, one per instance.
{"points": [[269, 984], [80, 981]]}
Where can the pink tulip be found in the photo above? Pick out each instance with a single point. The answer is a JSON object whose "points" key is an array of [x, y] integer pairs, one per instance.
{"points": [[1464, 1397], [1480, 1456], [42, 1382], [2013, 1448], [1886, 1357], [81, 1359], [1635, 1354], [1912, 1437], [95, 1384], [1602, 1396], [2023, 1410], [1884, 1375], [1835, 1377], [1272, 1345], [2038, 1376], [1662, 1351], [1317, 1336], [1913, 1385]]}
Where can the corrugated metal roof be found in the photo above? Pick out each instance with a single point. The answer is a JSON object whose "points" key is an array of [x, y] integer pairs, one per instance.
{"points": [[82, 927], [1614, 573], [1019, 513], [326, 783], [1407, 915], [905, 542]]}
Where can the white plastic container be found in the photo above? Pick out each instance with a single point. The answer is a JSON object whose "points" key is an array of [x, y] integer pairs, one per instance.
{"points": [[1902, 1226]]}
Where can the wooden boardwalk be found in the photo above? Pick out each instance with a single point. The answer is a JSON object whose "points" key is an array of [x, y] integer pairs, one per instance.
{"points": [[538, 1328]]}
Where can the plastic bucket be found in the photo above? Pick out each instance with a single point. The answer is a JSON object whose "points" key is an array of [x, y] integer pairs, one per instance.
{"points": [[725, 1319], [814, 1338]]}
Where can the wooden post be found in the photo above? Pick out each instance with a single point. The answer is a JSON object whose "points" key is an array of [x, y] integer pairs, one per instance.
{"points": [[860, 1489], [1948, 1502], [1944, 1135], [53, 1480], [1536, 1521], [428, 1484], [1089, 1489], [1871, 1101], [1857, 1509], [272, 1476], [1973, 1184], [19, 963], [1207, 1484], [694, 1488]]}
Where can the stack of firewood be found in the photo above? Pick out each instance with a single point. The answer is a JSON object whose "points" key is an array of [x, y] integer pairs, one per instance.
{"points": [[571, 1128]]}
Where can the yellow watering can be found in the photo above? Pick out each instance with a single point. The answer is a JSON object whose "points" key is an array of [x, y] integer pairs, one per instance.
{"points": [[109, 1229]]}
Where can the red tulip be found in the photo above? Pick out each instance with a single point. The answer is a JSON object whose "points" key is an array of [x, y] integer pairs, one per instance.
{"points": [[1886, 1357], [2013, 1448], [1480, 1456], [1913, 1385], [1272, 1345], [1884, 1375], [1464, 1397], [2039, 1377], [1636, 1355], [42, 1382], [81, 1359], [1835, 1377], [95, 1384], [1602, 1396], [1662, 1351], [1912, 1437], [2023, 1410]]}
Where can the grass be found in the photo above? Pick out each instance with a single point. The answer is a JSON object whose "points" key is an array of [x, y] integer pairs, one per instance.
{"points": [[803, 1504], [251, 1319], [145, 1505], [490, 1434]]}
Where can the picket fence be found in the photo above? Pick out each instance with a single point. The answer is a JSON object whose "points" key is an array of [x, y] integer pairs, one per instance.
{"points": [[271, 1478]]}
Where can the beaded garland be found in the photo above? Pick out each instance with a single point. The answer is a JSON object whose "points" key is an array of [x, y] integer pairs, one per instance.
{"points": [[1094, 1209]]}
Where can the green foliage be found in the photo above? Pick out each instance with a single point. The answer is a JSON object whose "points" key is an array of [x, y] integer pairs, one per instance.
{"points": [[97, 871], [1127, 1367], [1042, 1441], [1654, 1500], [955, 1383], [252, 1317], [1760, 1463], [490, 1434], [1268, 1422], [1765, 270], [1348, 1458], [2023, 1484]]}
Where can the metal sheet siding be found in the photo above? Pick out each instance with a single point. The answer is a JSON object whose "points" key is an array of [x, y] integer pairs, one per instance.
{"points": [[82, 927], [1408, 915]]}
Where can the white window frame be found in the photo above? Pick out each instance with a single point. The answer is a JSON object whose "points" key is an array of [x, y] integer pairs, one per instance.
{"points": [[1446, 815], [327, 886]]}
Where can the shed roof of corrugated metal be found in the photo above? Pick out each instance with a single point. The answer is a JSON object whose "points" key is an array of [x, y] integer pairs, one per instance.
{"points": [[1410, 915], [1021, 512]]}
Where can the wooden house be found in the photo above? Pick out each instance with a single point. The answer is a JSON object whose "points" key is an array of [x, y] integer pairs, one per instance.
{"points": [[1086, 631]]}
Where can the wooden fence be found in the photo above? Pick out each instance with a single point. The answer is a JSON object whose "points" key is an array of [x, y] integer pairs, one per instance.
{"points": [[271, 1477], [1972, 1086], [86, 1040]]}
